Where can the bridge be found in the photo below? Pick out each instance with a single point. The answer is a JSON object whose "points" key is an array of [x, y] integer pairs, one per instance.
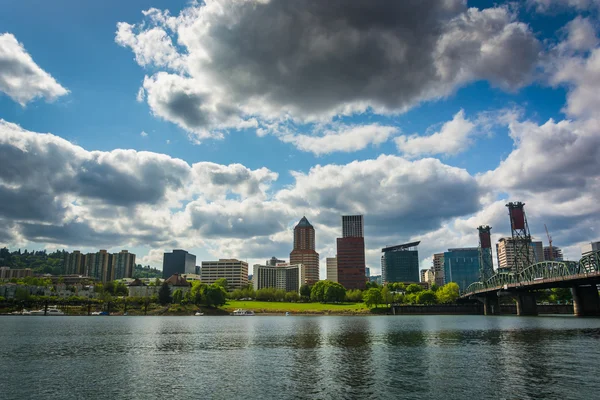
{"points": [[580, 276]]}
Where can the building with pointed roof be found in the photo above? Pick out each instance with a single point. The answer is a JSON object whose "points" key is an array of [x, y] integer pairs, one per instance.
{"points": [[304, 251]]}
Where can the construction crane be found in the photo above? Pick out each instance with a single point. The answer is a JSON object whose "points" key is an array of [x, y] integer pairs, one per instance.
{"points": [[549, 241]]}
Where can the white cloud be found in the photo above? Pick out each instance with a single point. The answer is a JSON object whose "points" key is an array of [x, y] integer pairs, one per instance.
{"points": [[21, 78], [143, 134], [341, 139], [545, 6], [453, 137]]}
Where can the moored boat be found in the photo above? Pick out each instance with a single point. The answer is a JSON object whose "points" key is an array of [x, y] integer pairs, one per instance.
{"points": [[242, 312]]}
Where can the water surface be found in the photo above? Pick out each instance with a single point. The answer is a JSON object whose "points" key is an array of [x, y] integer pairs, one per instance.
{"points": [[408, 357]]}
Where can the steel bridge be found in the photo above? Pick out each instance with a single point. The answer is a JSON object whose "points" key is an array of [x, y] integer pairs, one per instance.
{"points": [[582, 276]]}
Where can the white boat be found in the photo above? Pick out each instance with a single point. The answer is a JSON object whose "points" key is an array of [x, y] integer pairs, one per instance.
{"points": [[51, 311], [241, 312], [199, 314]]}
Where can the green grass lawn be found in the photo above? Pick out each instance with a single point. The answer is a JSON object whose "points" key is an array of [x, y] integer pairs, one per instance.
{"points": [[276, 307]]}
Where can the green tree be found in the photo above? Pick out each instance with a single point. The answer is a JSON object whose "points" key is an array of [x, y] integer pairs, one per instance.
{"points": [[386, 296], [334, 292], [434, 287], [292, 297], [426, 297], [414, 288], [448, 293], [372, 297], [223, 283], [214, 295], [177, 296], [196, 292], [354, 296], [21, 294], [164, 294], [305, 291]]}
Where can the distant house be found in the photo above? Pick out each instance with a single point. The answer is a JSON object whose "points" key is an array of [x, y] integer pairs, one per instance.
{"points": [[177, 281], [137, 288]]}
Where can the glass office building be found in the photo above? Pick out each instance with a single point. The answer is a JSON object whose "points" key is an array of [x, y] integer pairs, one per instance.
{"points": [[461, 266], [400, 263]]}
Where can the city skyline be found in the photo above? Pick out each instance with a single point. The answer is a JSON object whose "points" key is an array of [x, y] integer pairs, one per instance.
{"points": [[157, 149]]}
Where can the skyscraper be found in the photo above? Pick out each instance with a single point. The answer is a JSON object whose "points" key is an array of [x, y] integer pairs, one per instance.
{"points": [[74, 263], [332, 273], [400, 263], [304, 251], [352, 226], [232, 270], [438, 269], [351, 253], [506, 255], [100, 265], [124, 265], [178, 262], [557, 254], [538, 251], [462, 266]]}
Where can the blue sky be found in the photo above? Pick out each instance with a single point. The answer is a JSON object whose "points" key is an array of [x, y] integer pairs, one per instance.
{"points": [[80, 45]]}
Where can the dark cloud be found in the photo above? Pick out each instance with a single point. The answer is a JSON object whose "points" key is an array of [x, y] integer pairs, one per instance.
{"points": [[313, 59]]}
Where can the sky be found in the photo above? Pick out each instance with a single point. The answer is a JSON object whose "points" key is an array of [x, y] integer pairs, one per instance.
{"points": [[215, 126]]}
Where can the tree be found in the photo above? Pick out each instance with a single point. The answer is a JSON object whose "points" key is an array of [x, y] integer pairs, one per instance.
{"points": [[177, 296], [196, 292], [386, 296], [305, 291], [222, 282], [372, 297], [414, 288], [334, 292], [164, 294], [354, 296], [214, 295], [434, 287], [426, 297], [448, 293]]}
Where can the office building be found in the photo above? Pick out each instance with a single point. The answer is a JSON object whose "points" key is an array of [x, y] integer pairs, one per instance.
{"points": [[590, 248], [274, 261], [400, 263], [428, 276], [438, 269], [506, 255], [538, 251], [99, 265], [557, 254], [74, 263], [178, 262], [332, 273], [352, 226], [283, 276], [462, 266], [304, 251], [351, 262], [234, 271], [124, 265], [377, 279], [351, 253]]}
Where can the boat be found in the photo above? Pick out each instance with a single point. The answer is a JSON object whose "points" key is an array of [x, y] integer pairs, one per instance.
{"points": [[241, 312], [50, 311], [287, 314], [95, 313], [199, 314]]}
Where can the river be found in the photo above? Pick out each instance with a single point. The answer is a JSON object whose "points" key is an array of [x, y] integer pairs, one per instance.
{"points": [[387, 357]]}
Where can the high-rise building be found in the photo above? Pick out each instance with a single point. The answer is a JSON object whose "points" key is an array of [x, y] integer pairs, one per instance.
{"points": [[538, 251], [351, 262], [351, 253], [283, 276], [234, 271], [352, 226], [438, 269], [274, 261], [304, 251], [462, 266], [99, 265], [557, 254], [74, 263], [400, 263], [506, 255], [423, 273], [367, 272], [178, 262], [124, 265], [590, 248], [10, 273], [428, 276], [332, 273]]}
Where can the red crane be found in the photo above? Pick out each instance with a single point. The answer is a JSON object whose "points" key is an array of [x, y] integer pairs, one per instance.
{"points": [[549, 241]]}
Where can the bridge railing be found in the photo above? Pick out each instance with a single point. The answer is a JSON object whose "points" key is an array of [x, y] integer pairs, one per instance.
{"points": [[542, 270]]}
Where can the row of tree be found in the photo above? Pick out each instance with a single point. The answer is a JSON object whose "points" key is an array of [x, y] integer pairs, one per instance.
{"points": [[213, 295], [412, 294]]}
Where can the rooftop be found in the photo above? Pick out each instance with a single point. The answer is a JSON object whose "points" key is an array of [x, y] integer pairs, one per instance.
{"points": [[304, 223], [406, 246]]}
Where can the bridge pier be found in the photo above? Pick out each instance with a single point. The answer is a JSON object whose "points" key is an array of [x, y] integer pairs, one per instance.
{"points": [[586, 301], [491, 305], [526, 304]]}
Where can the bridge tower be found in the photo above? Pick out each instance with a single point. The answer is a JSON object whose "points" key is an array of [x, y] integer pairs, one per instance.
{"points": [[486, 263], [521, 238]]}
